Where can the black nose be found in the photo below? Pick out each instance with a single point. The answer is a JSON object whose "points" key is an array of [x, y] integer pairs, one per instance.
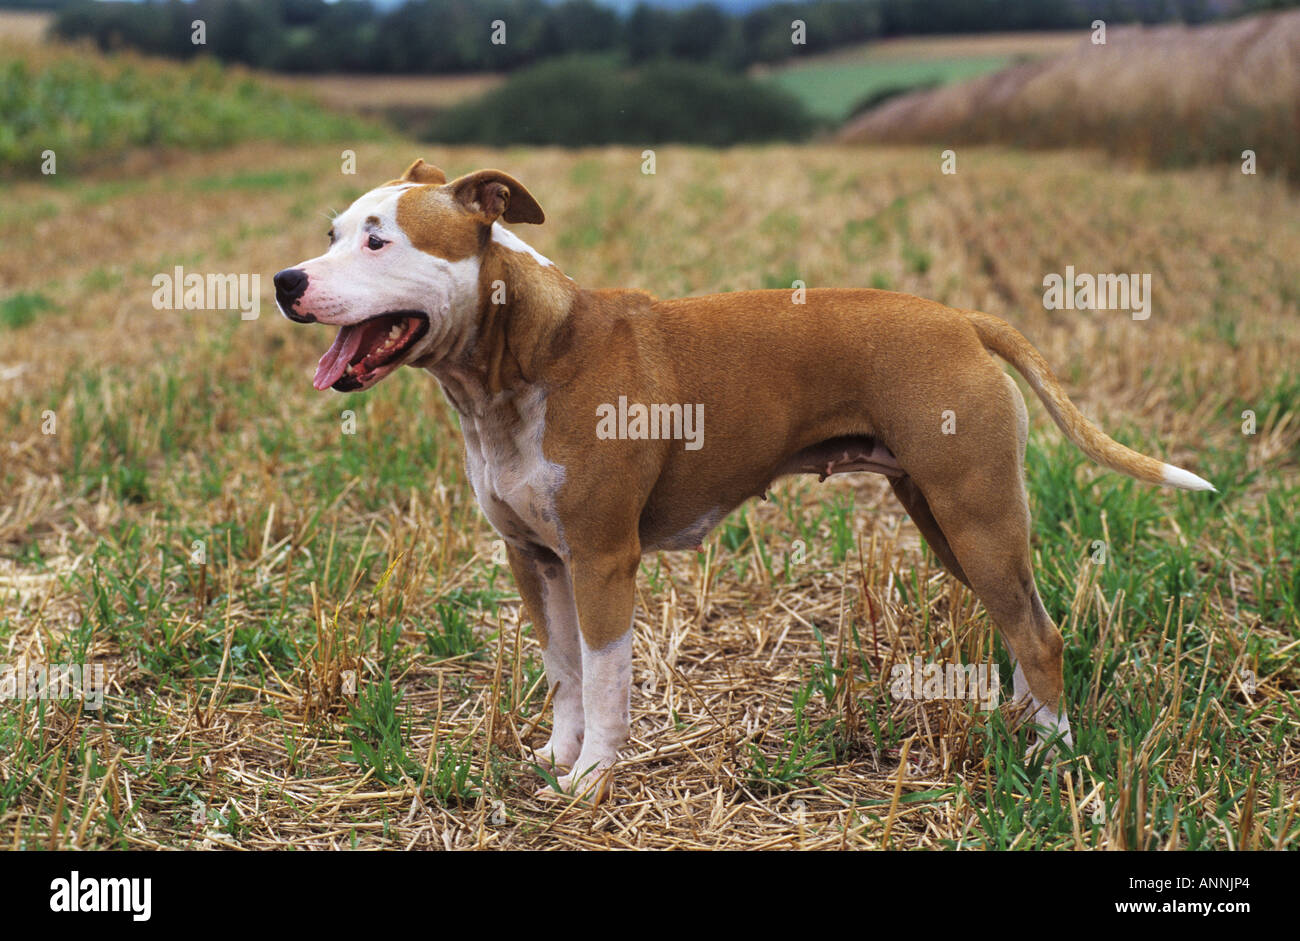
{"points": [[290, 283], [289, 286]]}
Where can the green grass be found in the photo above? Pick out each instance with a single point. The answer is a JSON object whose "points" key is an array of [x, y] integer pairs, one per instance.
{"points": [[806, 745], [380, 735], [88, 110], [1162, 690], [21, 309], [1170, 687], [1164, 681], [835, 90]]}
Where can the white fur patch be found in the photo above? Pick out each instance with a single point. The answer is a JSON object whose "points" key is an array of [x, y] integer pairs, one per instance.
{"points": [[1047, 723], [507, 239], [512, 479], [1050, 724], [1020, 683], [1185, 480], [563, 660]]}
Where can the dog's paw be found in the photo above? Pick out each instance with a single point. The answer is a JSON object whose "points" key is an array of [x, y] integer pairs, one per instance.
{"points": [[555, 756], [1046, 748], [1051, 734], [590, 780], [1051, 731]]}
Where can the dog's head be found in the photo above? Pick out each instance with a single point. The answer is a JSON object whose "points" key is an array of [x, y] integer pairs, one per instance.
{"points": [[401, 274]]}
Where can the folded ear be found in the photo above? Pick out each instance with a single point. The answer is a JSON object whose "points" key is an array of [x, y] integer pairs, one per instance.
{"points": [[493, 194], [421, 172]]}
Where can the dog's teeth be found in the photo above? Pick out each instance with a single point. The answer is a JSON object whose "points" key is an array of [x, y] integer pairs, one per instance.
{"points": [[395, 332]]}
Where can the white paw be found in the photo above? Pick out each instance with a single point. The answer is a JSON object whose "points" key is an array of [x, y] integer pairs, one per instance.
{"points": [[1051, 730], [558, 752], [591, 780]]}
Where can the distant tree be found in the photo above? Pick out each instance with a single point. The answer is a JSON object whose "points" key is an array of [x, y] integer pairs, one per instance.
{"points": [[340, 39], [648, 33], [587, 101], [302, 12], [233, 27], [699, 33], [426, 36], [581, 26]]}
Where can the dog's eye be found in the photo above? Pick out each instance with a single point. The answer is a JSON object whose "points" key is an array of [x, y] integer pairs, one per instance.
{"points": [[375, 243], [331, 236]]}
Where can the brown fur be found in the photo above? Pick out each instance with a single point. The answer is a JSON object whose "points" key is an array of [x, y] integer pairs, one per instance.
{"points": [[436, 223], [453, 220], [757, 364], [421, 172]]}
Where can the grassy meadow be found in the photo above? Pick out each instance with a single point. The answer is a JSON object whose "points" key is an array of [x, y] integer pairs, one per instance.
{"points": [[92, 111], [348, 667], [834, 84]]}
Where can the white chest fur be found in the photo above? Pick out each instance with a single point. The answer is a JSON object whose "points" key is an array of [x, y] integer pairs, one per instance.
{"points": [[514, 482]]}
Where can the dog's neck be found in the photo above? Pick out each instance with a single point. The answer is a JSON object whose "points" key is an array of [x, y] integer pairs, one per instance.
{"points": [[523, 316]]}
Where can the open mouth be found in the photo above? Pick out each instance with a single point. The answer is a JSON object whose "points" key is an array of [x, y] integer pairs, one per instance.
{"points": [[363, 353]]}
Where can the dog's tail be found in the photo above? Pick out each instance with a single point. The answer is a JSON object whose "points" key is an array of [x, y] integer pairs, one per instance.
{"points": [[1005, 340]]}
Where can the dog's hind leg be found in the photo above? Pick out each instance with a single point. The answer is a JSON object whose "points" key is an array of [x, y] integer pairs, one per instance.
{"points": [[977, 506], [909, 494], [919, 510], [988, 531]]}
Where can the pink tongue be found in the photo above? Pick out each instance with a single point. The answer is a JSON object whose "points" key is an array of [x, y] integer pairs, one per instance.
{"points": [[335, 361]]}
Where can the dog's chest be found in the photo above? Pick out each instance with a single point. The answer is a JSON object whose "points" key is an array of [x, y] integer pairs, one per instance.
{"points": [[514, 483]]}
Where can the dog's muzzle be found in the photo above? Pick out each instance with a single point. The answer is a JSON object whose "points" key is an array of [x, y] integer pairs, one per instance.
{"points": [[291, 284]]}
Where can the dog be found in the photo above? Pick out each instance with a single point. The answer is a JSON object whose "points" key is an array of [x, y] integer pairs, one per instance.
{"points": [[421, 272]]}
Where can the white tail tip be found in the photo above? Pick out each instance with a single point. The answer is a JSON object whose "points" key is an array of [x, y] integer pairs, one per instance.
{"points": [[1185, 480]]}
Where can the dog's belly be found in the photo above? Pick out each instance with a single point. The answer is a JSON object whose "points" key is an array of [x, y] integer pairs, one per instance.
{"points": [[681, 517], [660, 537], [842, 455]]}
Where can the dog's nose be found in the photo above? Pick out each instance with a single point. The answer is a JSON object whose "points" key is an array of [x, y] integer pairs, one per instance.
{"points": [[290, 283], [289, 286]]}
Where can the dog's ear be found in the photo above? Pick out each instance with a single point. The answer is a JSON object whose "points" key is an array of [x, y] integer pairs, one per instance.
{"points": [[421, 172], [493, 194]]}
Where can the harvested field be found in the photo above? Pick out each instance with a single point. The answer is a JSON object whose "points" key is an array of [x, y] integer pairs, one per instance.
{"points": [[347, 665], [1161, 96]]}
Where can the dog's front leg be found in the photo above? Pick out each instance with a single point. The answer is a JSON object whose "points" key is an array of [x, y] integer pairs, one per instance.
{"points": [[604, 588], [547, 592]]}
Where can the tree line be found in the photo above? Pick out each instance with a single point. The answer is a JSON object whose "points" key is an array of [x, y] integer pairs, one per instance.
{"points": [[439, 36]]}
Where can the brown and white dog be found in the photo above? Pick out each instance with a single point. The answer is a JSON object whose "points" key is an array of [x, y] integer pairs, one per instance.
{"points": [[421, 272]]}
